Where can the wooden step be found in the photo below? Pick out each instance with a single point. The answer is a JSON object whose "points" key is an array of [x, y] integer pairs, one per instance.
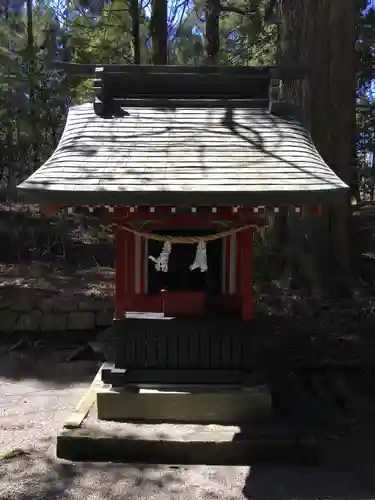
{"points": [[201, 406], [86, 438]]}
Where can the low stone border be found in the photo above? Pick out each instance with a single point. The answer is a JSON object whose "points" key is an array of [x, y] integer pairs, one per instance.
{"points": [[32, 312]]}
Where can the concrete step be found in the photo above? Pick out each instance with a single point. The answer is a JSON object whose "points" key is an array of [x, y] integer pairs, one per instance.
{"points": [[225, 407]]}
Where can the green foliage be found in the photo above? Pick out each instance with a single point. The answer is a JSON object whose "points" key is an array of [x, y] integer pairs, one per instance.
{"points": [[102, 39], [33, 102], [95, 31], [366, 104], [366, 51], [246, 38]]}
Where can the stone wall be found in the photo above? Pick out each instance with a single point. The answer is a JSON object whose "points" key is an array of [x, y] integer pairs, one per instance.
{"points": [[35, 311]]}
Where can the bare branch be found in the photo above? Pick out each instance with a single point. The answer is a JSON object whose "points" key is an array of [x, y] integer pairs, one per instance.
{"points": [[200, 19], [233, 9], [269, 10]]}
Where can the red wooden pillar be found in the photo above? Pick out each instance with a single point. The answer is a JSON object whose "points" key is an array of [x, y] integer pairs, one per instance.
{"points": [[227, 256], [124, 272], [245, 242], [130, 267], [144, 267], [238, 265], [120, 273]]}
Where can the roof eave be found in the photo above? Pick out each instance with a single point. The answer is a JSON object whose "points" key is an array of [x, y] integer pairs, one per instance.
{"points": [[212, 198]]}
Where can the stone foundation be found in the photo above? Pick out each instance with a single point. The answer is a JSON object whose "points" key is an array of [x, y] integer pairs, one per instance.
{"points": [[38, 311]]}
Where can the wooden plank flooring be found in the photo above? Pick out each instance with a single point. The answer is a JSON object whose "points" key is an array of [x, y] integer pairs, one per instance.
{"points": [[86, 402]]}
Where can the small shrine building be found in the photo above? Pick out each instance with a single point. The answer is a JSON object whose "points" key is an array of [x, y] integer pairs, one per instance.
{"points": [[184, 164]]}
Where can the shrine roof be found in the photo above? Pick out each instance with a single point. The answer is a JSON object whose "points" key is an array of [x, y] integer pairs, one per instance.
{"points": [[200, 152]]}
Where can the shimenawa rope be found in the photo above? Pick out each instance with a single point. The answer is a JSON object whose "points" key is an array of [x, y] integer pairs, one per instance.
{"points": [[190, 240]]}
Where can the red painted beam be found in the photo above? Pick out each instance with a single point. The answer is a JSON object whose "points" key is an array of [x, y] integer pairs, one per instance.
{"points": [[187, 221], [144, 212], [163, 211]]}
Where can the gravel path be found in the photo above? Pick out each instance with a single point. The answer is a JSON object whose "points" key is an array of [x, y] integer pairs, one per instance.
{"points": [[36, 399]]}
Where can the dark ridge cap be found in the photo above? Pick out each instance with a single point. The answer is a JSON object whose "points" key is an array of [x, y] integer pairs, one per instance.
{"points": [[87, 69], [289, 111], [192, 102], [116, 108], [183, 82]]}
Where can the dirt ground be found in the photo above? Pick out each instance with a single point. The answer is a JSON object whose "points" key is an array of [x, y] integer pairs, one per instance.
{"points": [[37, 397], [38, 394]]}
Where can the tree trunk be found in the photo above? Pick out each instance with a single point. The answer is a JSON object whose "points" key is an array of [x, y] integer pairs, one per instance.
{"points": [[159, 32], [5, 10], [30, 47], [134, 14], [31, 71], [319, 35], [212, 36]]}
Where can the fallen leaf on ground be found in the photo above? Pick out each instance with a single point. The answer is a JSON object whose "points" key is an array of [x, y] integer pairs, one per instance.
{"points": [[5, 455]]}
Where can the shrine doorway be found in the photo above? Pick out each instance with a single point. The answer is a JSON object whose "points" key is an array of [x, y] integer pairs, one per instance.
{"points": [[179, 277]]}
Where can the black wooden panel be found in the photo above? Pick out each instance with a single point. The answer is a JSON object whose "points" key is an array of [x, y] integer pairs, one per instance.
{"points": [[184, 359], [193, 347], [162, 351], [172, 350], [140, 347], [237, 351], [216, 357], [189, 377], [204, 350], [185, 344], [185, 86]]}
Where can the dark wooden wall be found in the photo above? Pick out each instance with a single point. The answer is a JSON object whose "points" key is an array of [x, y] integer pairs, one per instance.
{"points": [[222, 344]]}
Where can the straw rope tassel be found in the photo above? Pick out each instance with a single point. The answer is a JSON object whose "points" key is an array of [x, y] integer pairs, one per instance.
{"points": [[161, 262], [200, 261]]}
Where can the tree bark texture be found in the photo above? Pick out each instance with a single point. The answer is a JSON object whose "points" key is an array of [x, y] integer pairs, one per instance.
{"points": [[212, 36], [134, 14], [159, 32], [31, 70], [320, 35]]}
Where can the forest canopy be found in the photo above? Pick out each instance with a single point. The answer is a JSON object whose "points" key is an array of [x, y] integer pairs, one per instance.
{"points": [[34, 34]]}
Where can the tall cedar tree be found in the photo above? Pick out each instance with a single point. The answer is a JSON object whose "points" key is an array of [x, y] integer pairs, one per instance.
{"points": [[159, 32], [320, 36], [31, 70], [212, 35], [136, 44]]}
